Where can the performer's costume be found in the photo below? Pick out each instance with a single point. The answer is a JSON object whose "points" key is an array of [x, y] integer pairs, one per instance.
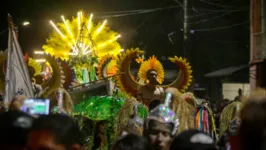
{"points": [[183, 110], [163, 114], [204, 120], [129, 85], [228, 115], [190, 99]]}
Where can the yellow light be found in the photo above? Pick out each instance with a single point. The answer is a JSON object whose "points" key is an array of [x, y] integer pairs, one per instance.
{"points": [[26, 23], [73, 54], [118, 36], [67, 26], [39, 52], [89, 24], [68, 29], [85, 53], [110, 41], [79, 21], [83, 46], [101, 27], [73, 47], [86, 48], [81, 16], [121, 50], [62, 35], [40, 60]]}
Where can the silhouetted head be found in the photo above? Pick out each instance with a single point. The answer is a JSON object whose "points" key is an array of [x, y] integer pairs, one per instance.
{"points": [[131, 142], [14, 129], [54, 131]]}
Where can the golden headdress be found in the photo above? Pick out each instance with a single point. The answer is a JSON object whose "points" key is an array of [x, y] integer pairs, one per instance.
{"points": [[154, 64], [129, 85]]}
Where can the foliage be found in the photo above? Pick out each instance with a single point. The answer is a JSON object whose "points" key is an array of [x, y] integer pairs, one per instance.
{"points": [[99, 107]]}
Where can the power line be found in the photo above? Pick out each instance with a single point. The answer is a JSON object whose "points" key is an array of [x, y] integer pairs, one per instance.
{"points": [[204, 14], [223, 41], [123, 11], [135, 11], [219, 10], [222, 27], [212, 18], [214, 4], [226, 27], [212, 12], [140, 12], [149, 17]]}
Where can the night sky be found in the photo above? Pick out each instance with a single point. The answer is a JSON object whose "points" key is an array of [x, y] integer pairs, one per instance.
{"points": [[219, 29]]}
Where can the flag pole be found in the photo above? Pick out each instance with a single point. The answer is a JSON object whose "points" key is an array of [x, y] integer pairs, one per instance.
{"points": [[17, 79]]}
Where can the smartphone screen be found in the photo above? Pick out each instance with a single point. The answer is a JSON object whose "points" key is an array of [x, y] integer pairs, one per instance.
{"points": [[36, 106]]}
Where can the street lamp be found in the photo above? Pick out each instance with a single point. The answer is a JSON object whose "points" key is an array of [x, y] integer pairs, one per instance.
{"points": [[26, 23], [39, 52], [40, 60]]}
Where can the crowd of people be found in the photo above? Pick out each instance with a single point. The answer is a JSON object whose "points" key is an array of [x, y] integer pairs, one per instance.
{"points": [[170, 124], [21, 131]]}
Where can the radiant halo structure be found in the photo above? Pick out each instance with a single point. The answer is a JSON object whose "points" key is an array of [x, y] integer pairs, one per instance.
{"points": [[80, 36]]}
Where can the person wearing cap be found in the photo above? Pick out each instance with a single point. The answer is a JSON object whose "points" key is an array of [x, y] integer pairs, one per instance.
{"points": [[14, 129], [193, 140], [161, 125]]}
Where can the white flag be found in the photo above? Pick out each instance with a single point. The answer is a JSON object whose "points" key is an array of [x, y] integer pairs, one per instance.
{"points": [[17, 80]]}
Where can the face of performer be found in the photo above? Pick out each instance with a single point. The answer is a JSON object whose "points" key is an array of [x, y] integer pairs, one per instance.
{"points": [[152, 76], [159, 135]]}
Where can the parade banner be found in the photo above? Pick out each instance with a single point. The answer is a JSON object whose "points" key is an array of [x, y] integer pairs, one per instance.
{"points": [[17, 80]]}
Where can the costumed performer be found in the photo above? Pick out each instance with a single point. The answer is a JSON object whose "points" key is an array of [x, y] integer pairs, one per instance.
{"points": [[151, 90], [204, 120], [151, 73], [228, 114], [183, 110], [190, 99], [161, 125]]}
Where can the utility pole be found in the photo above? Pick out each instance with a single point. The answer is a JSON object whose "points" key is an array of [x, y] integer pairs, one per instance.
{"points": [[185, 29], [186, 38]]}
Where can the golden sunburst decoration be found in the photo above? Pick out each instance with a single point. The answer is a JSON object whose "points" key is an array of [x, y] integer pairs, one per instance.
{"points": [[80, 36], [185, 68], [151, 63], [125, 80], [57, 78], [107, 66], [35, 65], [129, 85]]}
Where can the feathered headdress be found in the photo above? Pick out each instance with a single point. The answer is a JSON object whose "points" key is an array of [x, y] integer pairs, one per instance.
{"points": [[154, 64]]}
